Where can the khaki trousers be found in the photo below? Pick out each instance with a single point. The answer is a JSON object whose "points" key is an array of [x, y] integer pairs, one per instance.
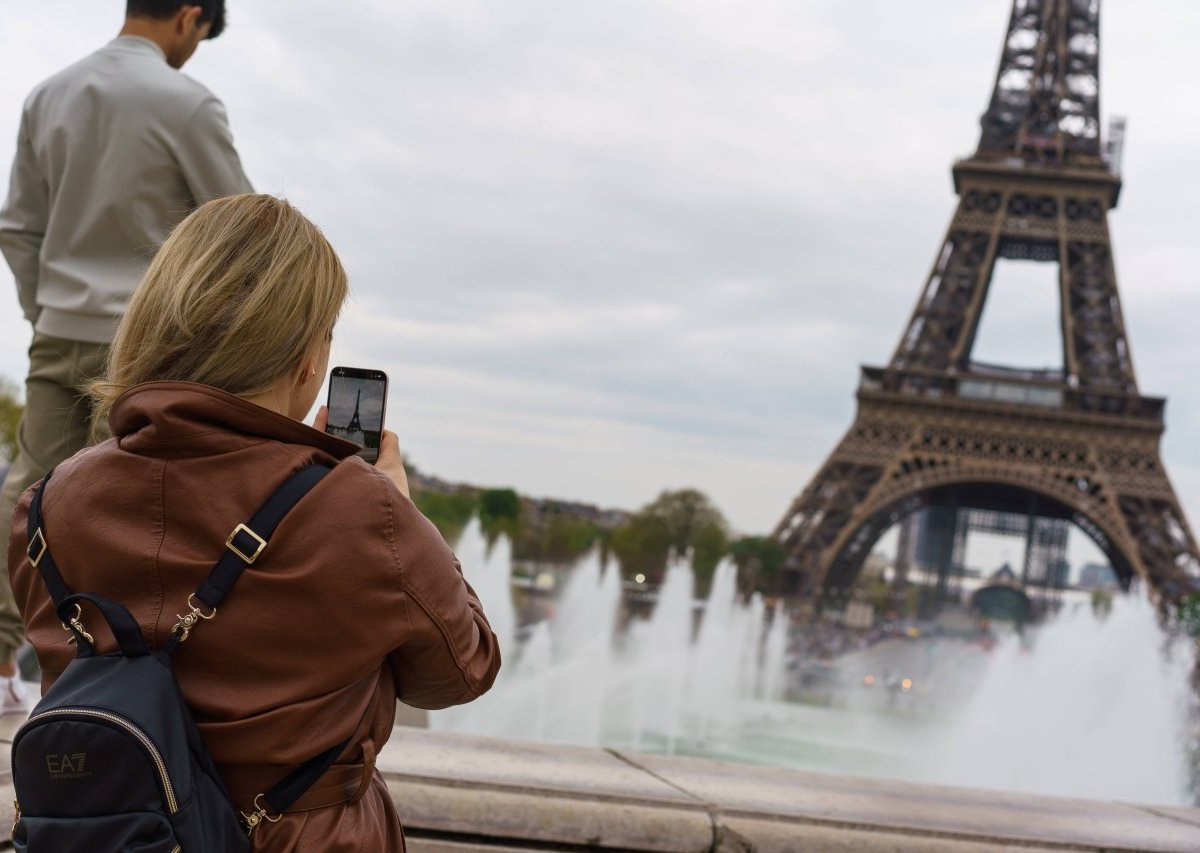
{"points": [[56, 425]]}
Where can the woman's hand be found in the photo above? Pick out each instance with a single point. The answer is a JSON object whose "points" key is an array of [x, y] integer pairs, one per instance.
{"points": [[391, 462]]}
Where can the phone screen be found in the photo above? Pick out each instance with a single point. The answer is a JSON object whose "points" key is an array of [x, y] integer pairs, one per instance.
{"points": [[356, 402]]}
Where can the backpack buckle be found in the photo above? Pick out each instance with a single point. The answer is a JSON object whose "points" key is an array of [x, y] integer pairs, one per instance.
{"points": [[232, 546], [257, 816], [38, 540], [75, 626], [186, 623]]}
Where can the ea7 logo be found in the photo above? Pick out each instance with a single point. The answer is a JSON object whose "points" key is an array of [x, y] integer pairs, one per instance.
{"points": [[60, 765]]}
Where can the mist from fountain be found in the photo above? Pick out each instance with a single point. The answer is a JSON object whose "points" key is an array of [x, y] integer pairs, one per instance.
{"points": [[1086, 706], [578, 678], [1097, 706], [489, 571], [658, 652], [775, 658]]}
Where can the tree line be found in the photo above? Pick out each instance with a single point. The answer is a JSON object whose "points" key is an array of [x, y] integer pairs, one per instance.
{"points": [[677, 522]]}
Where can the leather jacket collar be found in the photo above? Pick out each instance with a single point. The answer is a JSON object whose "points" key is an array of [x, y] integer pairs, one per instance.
{"points": [[173, 419]]}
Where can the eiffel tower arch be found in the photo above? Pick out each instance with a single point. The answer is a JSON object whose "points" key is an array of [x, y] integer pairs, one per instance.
{"points": [[936, 428]]}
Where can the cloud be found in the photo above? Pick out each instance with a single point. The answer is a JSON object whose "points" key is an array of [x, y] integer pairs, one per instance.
{"points": [[604, 248]]}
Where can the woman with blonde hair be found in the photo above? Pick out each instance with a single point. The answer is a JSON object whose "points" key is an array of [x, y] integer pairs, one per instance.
{"points": [[356, 602]]}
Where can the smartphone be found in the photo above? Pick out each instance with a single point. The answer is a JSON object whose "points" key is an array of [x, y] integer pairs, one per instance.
{"points": [[357, 397]]}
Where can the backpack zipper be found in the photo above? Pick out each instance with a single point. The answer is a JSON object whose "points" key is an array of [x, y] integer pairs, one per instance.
{"points": [[172, 804]]}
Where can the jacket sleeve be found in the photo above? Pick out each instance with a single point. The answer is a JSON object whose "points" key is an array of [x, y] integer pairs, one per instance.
{"points": [[206, 155], [23, 222], [449, 655]]}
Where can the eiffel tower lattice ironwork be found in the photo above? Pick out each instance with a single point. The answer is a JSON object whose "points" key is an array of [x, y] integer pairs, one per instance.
{"points": [[355, 425], [935, 428]]}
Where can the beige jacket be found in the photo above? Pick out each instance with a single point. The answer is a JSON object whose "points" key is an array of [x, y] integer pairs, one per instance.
{"points": [[113, 153]]}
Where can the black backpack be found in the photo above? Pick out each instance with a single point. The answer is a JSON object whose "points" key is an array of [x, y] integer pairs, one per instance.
{"points": [[111, 759]]}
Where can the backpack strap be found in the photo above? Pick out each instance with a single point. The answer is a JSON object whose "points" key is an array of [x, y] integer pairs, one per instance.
{"points": [[124, 627], [242, 548], [69, 609], [39, 551], [291, 787]]}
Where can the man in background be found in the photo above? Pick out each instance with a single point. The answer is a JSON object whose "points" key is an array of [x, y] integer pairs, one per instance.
{"points": [[113, 152]]}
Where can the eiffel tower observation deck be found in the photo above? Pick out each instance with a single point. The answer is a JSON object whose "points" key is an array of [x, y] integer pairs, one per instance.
{"points": [[936, 428]]}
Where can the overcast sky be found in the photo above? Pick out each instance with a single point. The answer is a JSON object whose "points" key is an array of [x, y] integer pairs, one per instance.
{"points": [[606, 248]]}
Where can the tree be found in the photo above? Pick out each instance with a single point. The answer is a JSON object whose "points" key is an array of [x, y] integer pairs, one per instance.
{"points": [[710, 542], [676, 521], [561, 539], [449, 512], [10, 417], [1188, 613], [500, 512], [642, 545], [760, 562]]}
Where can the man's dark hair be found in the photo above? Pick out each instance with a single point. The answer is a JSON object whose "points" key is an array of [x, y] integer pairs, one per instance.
{"points": [[213, 11]]}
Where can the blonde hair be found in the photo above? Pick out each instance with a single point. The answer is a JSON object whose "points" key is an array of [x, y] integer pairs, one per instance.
{"points": [[240, 294]]}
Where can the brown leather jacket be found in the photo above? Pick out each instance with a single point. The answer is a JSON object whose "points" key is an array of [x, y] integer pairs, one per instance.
{"points": [[356, 601]]}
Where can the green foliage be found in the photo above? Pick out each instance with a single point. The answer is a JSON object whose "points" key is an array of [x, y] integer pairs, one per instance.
{"points": [[448, 512], [642, 545], [10, 417], [710, 543], [499, 503], [677, 521], [1189, 614], [760, 563], [500, 512], [569, 538], [563, 539]]}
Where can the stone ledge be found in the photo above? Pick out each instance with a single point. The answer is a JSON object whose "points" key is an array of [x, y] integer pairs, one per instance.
{"points": [[466, 794], [497, 792], [460, 792]]}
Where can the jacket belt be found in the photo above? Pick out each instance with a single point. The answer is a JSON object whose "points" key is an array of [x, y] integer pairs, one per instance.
{"points": [[341, 783]]}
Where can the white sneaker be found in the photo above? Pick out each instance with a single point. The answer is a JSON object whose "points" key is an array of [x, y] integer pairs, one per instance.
{"points": [[15, 696]]}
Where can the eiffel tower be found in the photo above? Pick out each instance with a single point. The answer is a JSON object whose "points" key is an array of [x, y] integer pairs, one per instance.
{"points": [[355, 425], [935, 429]]}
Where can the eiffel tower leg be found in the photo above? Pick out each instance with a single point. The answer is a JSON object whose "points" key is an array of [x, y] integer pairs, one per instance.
{"points": [[1031, 520], [943, 532], [820, 517]]}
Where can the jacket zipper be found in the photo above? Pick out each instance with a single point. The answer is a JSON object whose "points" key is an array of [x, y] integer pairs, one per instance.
{"points": [[172, 804]]}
